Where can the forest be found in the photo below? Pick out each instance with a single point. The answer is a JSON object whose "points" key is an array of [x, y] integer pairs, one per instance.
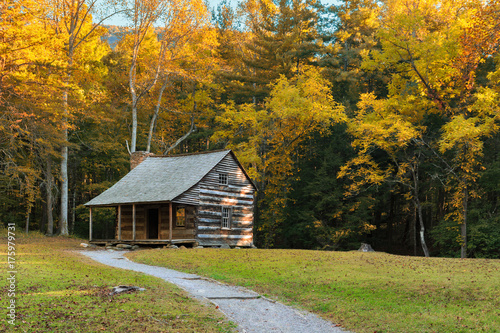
{"points": [[363, 121]]}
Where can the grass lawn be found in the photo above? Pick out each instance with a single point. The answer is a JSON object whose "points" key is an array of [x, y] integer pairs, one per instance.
{"points": [[59, 290], [364, 292]]}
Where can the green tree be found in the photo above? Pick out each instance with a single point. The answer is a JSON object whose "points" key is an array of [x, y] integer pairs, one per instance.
{"points": [[355, 24], [280, 38]]}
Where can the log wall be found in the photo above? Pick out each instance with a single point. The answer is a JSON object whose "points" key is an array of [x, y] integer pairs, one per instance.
{"points": [[126, 223], [238, 195]]}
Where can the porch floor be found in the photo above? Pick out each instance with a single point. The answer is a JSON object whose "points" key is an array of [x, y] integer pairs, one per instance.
{"points": [[142, 241]]}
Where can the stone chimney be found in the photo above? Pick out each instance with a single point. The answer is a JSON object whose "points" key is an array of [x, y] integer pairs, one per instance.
{"points": [[137, 157]]}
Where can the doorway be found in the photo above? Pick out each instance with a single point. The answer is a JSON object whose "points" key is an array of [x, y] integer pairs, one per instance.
{"points": [[153, 223]]}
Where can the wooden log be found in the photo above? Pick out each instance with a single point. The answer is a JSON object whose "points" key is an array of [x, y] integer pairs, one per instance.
{"points": [[226, 232], [225, 200], [202, 227], [217, 236], [133, 221], [227, 193], [209, 213], [119, 222], [207, 206], [243, 230], [90, 224], [170, 221]]}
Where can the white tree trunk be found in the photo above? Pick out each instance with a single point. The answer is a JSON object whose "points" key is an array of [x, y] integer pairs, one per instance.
{"points": [[64, 172], [418, 205], [131, 79], [64, 151], [50, 217], [155, 115]]}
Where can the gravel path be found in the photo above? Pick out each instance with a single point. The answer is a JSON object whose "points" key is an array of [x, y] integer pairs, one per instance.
{"points": [[246, 308]]}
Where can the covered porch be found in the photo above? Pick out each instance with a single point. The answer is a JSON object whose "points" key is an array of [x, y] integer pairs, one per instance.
{"points": [[149, 224]]}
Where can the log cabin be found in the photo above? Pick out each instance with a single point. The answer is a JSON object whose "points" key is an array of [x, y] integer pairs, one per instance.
{"points": [[202, 198]]}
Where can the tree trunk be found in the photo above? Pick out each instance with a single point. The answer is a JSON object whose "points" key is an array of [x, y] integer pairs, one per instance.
{"points": [[463, 227], [132, 74], [27, 223], [155, 115], [418, 205], [50, 217], [133, 139], [43, 218], [64, 190], [414, 231], [64, 163], [73, 214], [422, 227]]}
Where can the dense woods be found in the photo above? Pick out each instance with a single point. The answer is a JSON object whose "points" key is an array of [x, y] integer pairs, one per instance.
{"points": [[367, 121]]}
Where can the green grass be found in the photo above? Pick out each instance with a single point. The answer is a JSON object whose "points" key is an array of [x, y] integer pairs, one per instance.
{"points": [[363, 292], [59, 290]]}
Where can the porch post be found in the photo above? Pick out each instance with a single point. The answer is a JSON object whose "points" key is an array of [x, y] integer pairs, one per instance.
{"points": [[170, 222], [90, 225], [159, 223], [119, 222], [133, 221]]}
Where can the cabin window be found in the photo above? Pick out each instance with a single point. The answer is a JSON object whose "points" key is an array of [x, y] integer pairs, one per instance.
{"points": [[226, 218], [223, 179], [180, 217]]}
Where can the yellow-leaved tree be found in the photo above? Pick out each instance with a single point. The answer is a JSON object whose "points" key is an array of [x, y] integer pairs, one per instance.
{"points": [[268, 141], [71, 21], [165, 39], [436, 110]]}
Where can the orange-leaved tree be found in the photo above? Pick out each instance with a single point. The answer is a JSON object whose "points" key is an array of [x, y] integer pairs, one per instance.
{"points": [[29, 85]]}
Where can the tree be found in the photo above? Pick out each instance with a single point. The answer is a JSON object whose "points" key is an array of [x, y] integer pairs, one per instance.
{"points": [[355, 25], [477, 114], [182, 22], [73, 21], [398, 134], [29, 80], [280, 38], [269, 141], [433, 94]]}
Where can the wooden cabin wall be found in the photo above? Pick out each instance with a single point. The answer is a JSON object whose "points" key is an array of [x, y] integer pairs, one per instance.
{"points": [[237, 195], [186, 232], [140, 222]]}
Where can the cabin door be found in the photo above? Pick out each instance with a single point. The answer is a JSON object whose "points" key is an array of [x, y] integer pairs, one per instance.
{"points": [[153, 223]]}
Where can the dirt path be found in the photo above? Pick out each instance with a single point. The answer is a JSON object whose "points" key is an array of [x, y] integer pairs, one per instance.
{"points": [[246, 308]]}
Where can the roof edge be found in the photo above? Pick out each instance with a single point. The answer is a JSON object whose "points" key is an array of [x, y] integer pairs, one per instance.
{"points": [[191, 154]]}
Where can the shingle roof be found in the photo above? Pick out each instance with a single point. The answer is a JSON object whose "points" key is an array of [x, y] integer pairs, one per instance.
{"points": [[159, 179]]}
